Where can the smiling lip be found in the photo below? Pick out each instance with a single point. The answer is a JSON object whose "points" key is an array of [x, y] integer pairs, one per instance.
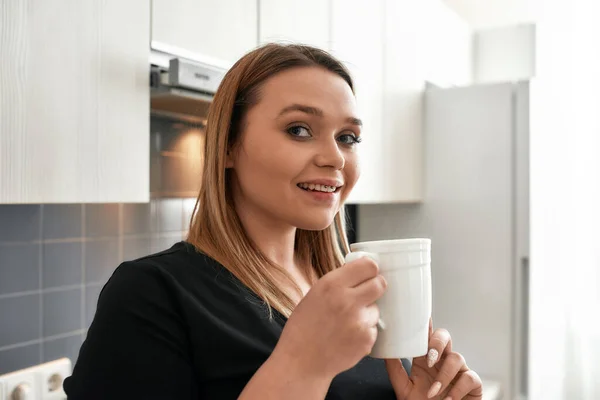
{"points": [[328, 182], [324, 198]]}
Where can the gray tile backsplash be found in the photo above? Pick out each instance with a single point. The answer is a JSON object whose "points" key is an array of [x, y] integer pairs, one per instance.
{"points": [[137, 218], [19, 267], [92, 292], [164, 242], [62, 347], [54, 261], [101, 258], [62, 221], [188, 210], [20, 318], [170, 214], [20, 357], [101, 220], [61, 264], [136, 247], [62, 312], [19, 223]]}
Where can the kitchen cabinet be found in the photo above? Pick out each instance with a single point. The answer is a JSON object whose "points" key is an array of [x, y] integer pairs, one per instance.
{"points": [[220, 30], [379, 42], [306, 22], [357, 40], [74, 101], [404, 85]]}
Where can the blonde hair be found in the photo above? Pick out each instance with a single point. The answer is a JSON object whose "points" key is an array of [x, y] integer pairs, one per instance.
{"points": [[215, 228]]}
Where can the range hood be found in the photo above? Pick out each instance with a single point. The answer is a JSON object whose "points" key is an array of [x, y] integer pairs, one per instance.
{"points": [[182, 88]]}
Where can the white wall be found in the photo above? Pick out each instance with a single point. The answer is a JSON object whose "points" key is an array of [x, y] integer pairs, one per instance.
{"points": [[565, 204], [445, 44], [485, 14], [504, 54]]}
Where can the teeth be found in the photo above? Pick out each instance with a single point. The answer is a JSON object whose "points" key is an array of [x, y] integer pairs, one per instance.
{"points": [[318, 188]]}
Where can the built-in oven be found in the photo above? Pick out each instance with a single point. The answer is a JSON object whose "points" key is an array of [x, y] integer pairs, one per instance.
{"points": [[181, 91]]}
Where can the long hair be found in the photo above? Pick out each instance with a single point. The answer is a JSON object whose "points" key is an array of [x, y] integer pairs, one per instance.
{"points": [[215, 228]]}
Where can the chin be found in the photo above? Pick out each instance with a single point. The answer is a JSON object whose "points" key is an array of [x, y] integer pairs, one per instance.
{"points": [[314, 222]]}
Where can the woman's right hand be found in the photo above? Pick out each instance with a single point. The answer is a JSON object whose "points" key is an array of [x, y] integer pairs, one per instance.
{"points": [[335, 325]]}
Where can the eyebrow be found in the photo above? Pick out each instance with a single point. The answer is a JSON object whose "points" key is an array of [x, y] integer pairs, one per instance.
{"points": [[314, 111]]}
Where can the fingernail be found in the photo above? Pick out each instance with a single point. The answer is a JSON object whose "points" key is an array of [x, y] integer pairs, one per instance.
{"points": [[434, 390], [432, 357], [448, 398]]}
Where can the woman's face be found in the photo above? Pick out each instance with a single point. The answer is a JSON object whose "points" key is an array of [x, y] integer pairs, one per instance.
{"points": [[296, 160]]}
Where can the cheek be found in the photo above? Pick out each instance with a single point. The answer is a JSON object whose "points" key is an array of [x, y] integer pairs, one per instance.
{"points": [[268, 164], [352, 169]]}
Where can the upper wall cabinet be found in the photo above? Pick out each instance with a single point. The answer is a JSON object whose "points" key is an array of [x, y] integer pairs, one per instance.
{"points": [[357, 39], [223, 30], [404, 84], [305, 22], [392, 49], [74, 101]]}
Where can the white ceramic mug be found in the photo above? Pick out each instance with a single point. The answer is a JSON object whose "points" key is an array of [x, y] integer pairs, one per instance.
{"points": [[405, 307]]}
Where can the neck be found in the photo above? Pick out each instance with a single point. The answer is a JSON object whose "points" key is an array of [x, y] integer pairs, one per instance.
{"points": [[274, 239]]}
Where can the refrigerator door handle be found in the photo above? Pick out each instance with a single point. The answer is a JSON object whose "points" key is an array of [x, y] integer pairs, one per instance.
{"points": [[524, 351]]}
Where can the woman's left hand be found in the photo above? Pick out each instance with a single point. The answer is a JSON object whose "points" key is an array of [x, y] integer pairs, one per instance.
{"points": [[441, 375]]}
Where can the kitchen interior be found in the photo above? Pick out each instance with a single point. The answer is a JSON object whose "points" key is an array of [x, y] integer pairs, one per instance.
{"points": [[469, 140]]}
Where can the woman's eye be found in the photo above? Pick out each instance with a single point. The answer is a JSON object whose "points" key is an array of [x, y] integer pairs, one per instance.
{"points": [[298, 131], [350, 139]]}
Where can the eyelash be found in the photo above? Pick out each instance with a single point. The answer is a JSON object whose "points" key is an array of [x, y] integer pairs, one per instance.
{"points": [[355, 139]]}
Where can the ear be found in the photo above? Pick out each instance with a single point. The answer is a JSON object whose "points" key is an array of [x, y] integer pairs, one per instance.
{"points": [[229, 159]]}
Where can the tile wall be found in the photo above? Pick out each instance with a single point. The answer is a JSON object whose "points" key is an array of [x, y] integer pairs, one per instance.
{"points": [[54, 260]]}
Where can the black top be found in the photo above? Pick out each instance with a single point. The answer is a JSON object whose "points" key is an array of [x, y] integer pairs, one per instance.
{"points": [[178, 325]]}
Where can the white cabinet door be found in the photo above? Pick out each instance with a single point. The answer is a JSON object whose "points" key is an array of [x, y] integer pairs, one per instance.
{"points": [[357, 40], [74, 101], [223, 29], [404, 84], [379, 42], [306, 22]]}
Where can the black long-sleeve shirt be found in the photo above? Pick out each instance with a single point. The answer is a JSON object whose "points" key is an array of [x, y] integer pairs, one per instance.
{"points": [[179, 325]]}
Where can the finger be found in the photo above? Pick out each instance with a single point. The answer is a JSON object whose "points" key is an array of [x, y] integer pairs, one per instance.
{"points": [[354, 273], [374, 333], [398, 377], [371, 290], [467, 384], [370, 315], [453, 364], [440, 341]]}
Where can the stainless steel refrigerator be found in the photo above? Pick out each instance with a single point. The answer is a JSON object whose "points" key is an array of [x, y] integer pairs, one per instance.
{"points": [[476, 211]]}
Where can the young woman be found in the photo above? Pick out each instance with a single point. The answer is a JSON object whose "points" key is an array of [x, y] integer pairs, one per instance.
{"points": [[256, 303]]}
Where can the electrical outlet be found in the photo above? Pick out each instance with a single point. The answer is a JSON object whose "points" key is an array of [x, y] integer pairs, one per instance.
{"points": [[51, 376], [20, 385], [41, 382]]}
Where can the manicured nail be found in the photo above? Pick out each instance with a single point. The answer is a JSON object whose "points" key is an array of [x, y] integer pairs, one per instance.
{"points": [[448, 398], [434, 390], [432, 357]]}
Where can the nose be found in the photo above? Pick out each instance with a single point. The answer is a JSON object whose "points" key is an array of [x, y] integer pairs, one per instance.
{"points": [[329, 155]]}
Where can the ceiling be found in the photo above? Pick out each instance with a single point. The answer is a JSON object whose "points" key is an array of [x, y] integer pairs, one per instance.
{"points": [[483, 14]]}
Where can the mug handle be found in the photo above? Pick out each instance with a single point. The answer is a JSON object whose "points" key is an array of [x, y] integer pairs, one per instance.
{"points": [[353, 256]]}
